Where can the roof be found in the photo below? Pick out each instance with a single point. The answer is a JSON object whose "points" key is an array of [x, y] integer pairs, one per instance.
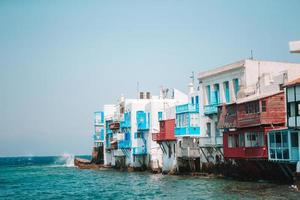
{"points": [[293, 82], [224, 68], [280, 129], [257, 96]]}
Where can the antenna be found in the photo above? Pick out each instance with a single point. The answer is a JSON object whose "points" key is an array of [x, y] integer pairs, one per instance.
{"points": [[258, 78], [251, 57], [137, 89], [193, 77]]}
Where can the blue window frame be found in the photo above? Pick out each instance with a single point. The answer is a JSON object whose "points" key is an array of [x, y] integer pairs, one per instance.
{"points": [[236, 86], [208, 94], [226, 91], [197, 99], [160, 116]]}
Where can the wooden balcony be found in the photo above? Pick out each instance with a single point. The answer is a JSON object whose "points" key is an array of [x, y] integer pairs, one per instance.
{"points": [[166, 131], [227, 116], [264, 110]]}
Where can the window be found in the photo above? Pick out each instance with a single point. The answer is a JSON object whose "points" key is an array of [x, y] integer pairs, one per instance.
{"points": [[263, 106], [252, 107], [192, 100], [291, 109], [197, 99], [279, 145], [208, 131], [242, 140], [216, 129], [233, 140], [226, 91], [160, 116], [236, 86], [216, 94], [294, 139], [208, 95], [230, 141], [254, 139], [138, 135]]}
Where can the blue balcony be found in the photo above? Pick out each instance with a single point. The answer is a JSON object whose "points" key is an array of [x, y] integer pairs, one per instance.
{"points": [[187, 131], [143, 120], [124, 144], [187, 108], [140, 150], [211, 109], [214, 101], [283, 145]]}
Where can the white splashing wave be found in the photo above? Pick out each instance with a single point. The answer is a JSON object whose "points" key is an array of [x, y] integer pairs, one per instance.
{"points": [[65, 160]]}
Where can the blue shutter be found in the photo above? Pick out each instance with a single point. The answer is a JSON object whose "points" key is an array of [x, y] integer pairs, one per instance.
{"points": [[197, 99]]}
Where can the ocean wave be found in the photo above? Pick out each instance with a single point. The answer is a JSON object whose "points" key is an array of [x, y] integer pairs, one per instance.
{"points": [[64, 160]]}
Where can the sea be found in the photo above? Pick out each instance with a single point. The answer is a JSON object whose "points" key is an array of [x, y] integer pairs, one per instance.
{"points": [[55, 177]]}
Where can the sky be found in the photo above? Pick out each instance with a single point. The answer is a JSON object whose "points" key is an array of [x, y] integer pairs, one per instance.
{"points": [[62, 60]]}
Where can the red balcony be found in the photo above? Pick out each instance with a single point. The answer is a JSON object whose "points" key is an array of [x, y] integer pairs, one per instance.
{"points": [[249, 143], [166, 132]]}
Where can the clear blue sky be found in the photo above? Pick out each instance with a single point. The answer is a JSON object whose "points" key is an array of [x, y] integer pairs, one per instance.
{"points": [[62, 60]]}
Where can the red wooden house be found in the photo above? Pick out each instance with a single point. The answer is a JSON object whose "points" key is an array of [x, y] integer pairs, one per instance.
{"points": [[245, 130]]}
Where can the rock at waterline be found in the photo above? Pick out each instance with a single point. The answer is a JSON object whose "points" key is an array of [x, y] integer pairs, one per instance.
{"points": [[86, 164]]}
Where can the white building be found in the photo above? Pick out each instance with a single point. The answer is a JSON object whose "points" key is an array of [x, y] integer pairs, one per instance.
{"points": [[226, 84], [138, 119]]}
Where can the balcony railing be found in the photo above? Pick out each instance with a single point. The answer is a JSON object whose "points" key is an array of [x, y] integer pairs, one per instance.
{"points": [[187, 108], [187, 131], [211, 109], [99, 136], [216, 141], [188, 152], [163, 137], [140, 150], [125, 124], [124, 144]]}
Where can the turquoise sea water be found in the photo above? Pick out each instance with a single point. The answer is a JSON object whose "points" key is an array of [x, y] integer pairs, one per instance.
{"points": [[56, 178]]}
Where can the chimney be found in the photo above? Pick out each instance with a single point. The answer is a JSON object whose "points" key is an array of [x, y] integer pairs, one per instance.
{"points": [[148, 95], [141, 95]]}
